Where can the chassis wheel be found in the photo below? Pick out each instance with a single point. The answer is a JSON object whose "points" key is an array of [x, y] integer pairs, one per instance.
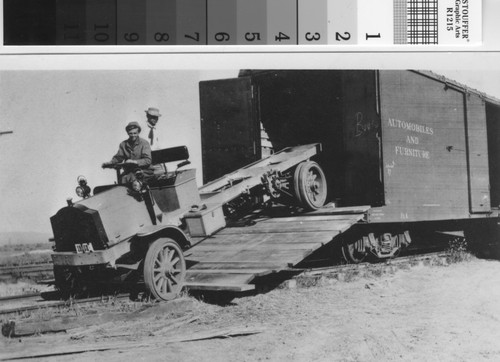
{"points": [[310, 185], [164, 269], [71, 282], [65, 280]]}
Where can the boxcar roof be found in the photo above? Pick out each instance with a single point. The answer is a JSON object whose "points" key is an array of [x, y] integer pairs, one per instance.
{"points": [[454, 84], [430, 74]]}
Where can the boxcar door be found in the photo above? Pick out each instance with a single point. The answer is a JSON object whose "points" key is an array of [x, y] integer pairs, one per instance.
{"points": [[424, 148], [479, 193], [230, 133]]}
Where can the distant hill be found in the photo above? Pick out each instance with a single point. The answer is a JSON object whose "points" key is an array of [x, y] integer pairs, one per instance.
{"points": [[21, 237]]}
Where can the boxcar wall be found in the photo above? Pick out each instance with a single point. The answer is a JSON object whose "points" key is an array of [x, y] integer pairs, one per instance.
{"points": [[414, 146]]}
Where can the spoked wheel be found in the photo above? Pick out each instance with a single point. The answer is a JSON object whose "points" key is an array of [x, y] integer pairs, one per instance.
{"points": [[354, 252], [164, 269], [310, 185]]}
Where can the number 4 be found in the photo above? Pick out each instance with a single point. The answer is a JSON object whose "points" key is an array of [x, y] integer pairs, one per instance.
{"points": [[281, 36]]}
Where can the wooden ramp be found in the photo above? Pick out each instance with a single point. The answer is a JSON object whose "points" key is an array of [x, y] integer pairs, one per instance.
{"points": [[232, 258]]}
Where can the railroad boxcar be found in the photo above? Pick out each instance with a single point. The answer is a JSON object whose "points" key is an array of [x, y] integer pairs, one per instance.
{"points": [[413, 145]]}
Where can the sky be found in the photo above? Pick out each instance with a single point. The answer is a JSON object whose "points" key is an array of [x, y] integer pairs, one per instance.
{"points": [[67, 122]]}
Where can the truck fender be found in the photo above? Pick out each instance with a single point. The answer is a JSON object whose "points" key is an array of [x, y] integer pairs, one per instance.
{"points": [[153, 232]]}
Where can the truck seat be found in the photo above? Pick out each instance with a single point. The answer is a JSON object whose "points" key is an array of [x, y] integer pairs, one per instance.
{"points": [[163, 156], [179, 153]]}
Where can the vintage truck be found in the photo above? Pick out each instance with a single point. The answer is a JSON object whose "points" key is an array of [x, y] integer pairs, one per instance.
{"points": [[138, 233]]}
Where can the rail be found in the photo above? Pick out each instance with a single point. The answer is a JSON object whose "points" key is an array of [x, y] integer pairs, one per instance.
{"points": [[306, 272]]}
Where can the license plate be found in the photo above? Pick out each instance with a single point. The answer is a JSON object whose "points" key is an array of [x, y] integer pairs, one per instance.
{"points": [[84, 248]]}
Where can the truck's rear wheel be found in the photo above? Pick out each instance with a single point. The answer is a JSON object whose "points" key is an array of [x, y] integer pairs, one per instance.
{"points": [[164, 269], [310, 185]]}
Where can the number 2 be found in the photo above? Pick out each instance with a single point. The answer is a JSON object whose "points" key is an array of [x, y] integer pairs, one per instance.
{"points": [[339, 37]]}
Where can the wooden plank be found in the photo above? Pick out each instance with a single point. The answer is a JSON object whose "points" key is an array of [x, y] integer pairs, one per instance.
{"points": [[335, 228], [240, 238], [220, 265], [59, 324], [255, 244], [192, 336], [312, 218], [328, 210], [255, 271], [283, 257], [306, 220], [264, 252], [233, 239], [254, 240], [218, 287], [218, 278], [270, 245], [292, 243], [202, 256]]}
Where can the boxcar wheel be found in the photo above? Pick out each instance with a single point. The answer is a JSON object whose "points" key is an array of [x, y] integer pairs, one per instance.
{"points": [[164, 269], [352, 254], [310, 185]]}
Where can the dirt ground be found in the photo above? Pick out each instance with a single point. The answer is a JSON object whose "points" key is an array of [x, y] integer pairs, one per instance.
{"points": [[423, 313]]}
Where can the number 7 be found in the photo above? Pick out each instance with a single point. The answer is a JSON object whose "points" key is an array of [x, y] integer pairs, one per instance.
{"points": [[197, 38]]}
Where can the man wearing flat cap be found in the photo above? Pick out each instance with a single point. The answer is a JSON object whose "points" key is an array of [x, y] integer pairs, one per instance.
{"points": [[134, 153]]}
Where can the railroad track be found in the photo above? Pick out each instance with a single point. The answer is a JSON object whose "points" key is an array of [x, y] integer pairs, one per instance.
{"points": [[46, 269], [29, 270], [22, 303], [441, 255], [11, 304]]}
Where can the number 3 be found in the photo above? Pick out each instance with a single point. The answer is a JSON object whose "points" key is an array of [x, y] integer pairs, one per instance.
{"points": [[310, 37]]}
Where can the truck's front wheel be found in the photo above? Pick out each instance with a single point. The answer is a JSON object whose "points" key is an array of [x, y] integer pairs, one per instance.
{"points": [[164, 269]]}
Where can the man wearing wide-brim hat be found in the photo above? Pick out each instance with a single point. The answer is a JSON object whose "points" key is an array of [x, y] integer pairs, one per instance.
{"points": [[134, 153], [152, 117]]}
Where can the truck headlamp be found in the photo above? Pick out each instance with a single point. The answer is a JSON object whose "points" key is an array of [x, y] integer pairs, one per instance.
{"points": [[137, 185], [79, 191]]}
